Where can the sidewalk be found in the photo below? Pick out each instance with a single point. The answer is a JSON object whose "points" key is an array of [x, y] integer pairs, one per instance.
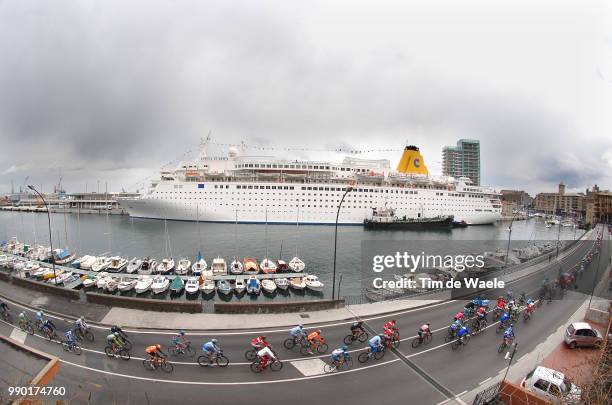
{"points": [[552, 353]]}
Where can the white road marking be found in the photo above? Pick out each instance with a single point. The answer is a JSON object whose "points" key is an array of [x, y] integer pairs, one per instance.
{"points": [[482, 382], [309, 367], [18, 335]]}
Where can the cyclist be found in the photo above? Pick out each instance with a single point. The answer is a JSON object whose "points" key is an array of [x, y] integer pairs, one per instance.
{"points": [[259, 342], [501, 302], [40, 317], [211, 348], [114, 341], [3, 307], [515, 311], [459, 316], [265, 356], [155, 353], [298, 333], [357, 328], [48, 325], [504, 318], [178, 340], [454, 327], [509, 295], [522, 298], [392, 327], [70, 339], [530, 306], [424, 330], [376, 344], [314, 339], [341, 351], [81, 325], [462, 332], [120, 333], [509, 334], [481, 316], [23, 318]]}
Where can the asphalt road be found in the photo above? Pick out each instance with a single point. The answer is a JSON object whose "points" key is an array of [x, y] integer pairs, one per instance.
{"points": [[397, 377]]}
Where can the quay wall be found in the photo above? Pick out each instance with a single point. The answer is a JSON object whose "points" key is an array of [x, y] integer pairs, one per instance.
{"points": [[46, 288], [145, 304], [276, 307]]}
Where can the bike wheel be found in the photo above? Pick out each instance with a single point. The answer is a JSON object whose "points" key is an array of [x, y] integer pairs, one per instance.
{"points": [[305, 350], [289, 344], [329, 368], [77, 350], [203, 361], [322, 348], [65, 347], [276, 366], [379, 354], [89, 335], [346, 364], [448, 337], [255, 367], [363, 337], [127, 344], [363, 357], [189, 352], [427, 338], [348, 339], [416, 342], [222, 361], [499, 329], [124, 354], [167, 367], [148, 365], [455, 345], [109, 351], [501, 347], [250, 355], [172, 350], [396, 342]]}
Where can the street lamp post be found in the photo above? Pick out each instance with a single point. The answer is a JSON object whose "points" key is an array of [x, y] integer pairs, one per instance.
{"points": [[48, 219], [348, 190], [508, 246], [509, 357], [558, 237]]}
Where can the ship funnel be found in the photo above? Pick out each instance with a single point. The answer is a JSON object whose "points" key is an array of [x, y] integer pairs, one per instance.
{"points": [[412, 162]]}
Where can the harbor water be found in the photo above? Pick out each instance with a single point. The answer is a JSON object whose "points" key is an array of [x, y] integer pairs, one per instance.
{"points": [[130, 237]]}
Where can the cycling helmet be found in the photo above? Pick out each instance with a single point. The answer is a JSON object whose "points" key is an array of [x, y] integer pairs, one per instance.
{"points": [[318, 331], [82, 318], [393, 320], [301, 326], [116, 334], [511, 325], [427, 324], [214, 341], [181, 332], [345, 347], [263, 337], [158, 346]]}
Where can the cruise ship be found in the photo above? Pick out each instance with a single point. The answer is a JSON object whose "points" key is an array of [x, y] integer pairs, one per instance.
{"points": [[259, 189]]}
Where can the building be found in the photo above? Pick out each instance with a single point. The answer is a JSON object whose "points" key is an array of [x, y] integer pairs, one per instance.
{"points": [[97, 202], [598, 206], [514, 200], [462, 160], [561, 203]]}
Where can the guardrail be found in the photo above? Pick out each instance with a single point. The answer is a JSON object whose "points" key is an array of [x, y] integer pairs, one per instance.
{"points": [[146, 304]]}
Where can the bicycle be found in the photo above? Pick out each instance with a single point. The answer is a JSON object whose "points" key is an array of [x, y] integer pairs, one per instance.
{"points": [[7, 316], [71, 347], [125, 342], [291, 342], [258, 367], [81, 335], [367, 355], [158, 362], [480, 325], [218, 358], [362, 336], [507, 342], [114, 351], [425, 339], [345, 363], [392, 342], [321, 347], [50, 334], [26, 326], [460, 342], [182, 348], [526, 315]]}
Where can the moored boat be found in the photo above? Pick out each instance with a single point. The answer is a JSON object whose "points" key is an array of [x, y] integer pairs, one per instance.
{"points": [[296, 264], [281, 265], [250, 266], [207, 286], [147, 266], [160, 284], [218, 266], [282, 283], [199, 265], [253, 286], [268, 286], [297, 283], [112, 284], [177, 285], [268, 266], [86, 262], [236, 266], [183, 266], [133, 266], [102, 279], [144, 284], [165, 266], [89, 282], [239, 285], [101, 263], [117, 264], [193, 285], [127, 284], [313, 283], [224, 287], [63, 256]]}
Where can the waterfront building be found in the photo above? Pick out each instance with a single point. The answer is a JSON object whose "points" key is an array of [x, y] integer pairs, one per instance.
{"points": [[462, 160], [561, 203], [598, 206], [514, 200]]}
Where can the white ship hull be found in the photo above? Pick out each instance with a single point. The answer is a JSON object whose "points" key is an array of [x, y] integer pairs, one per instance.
{"points": [[220, 205]]}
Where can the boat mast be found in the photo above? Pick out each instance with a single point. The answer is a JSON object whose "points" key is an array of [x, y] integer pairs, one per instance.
{"points": [[266, 259], [236, 236], [297, 228]]}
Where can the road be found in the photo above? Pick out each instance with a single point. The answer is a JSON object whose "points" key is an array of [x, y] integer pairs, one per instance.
{"points": [[427, 375]]}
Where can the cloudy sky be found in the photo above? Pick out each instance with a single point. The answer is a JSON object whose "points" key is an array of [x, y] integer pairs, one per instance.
{"points": [[110, 91]]}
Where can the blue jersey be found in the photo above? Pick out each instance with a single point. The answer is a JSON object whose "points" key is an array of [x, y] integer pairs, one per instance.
{"points": [[210, 347], [455, 325], [509, 333], [375, 341], [463, 331], [297, 331], [504, 317]]}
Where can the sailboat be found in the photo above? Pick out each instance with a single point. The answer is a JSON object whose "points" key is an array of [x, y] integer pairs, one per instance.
{"points": [[199, 265], [183, 266], [218, 266], [177, 285], [268, 286], [193, 285], [267, 266], [296, 264], [250, 266], [236, 265]]}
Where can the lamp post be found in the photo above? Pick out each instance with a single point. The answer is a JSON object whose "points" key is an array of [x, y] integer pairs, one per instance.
{"points": [[48, 219], [348, 189], [558, 237], [508, 246], [509, 357]]}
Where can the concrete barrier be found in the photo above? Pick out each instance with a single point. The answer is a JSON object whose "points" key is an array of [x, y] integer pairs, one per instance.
{"points": [[277, 307], [5, 276], [145, 304], [597, 316], [47, 288]]}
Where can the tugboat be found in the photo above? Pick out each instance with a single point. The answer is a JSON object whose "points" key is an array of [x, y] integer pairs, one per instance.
{"points": [[385, 218]]}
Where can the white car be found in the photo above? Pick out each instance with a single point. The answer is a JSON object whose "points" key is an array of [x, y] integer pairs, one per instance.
{"points": [[552, 385]]}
